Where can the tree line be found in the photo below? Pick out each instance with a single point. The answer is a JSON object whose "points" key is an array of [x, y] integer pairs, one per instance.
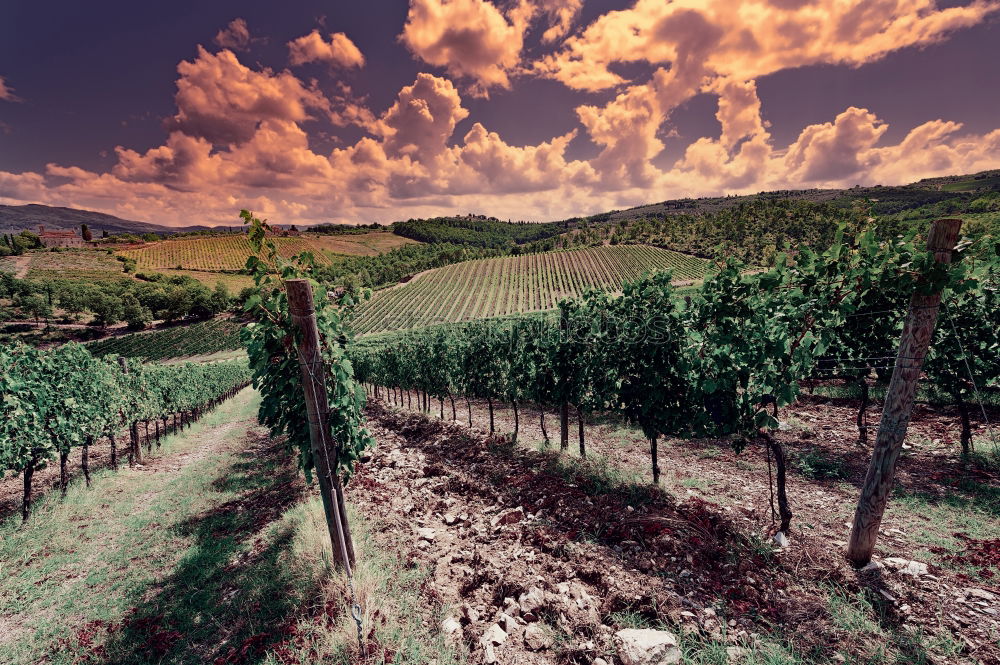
{"points": [[64, 398], [476, 231], [137, 302]]}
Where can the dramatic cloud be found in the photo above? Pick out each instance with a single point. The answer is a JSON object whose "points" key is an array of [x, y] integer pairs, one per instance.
{"points": [[340, 50], [235, 36], [422, 119], [221, 100], [266, 139], [7, 93], [470, 38], [561, 14], [750, 38]]}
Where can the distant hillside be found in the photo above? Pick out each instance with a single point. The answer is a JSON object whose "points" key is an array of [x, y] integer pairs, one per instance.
{"points": [[29, 217], [885, 199]]}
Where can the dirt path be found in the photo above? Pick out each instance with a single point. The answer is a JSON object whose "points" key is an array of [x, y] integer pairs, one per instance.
{"points": [[21, 265], [500, 522]]}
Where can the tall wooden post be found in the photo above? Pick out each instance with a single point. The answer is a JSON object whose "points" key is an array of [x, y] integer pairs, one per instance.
{"points": [[899, 398], [564, 407], [324, 449]]}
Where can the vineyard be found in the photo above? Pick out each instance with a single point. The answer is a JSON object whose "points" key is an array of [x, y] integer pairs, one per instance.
{"points": [[196, 339], [513, 284], [230, 252], [71, 264], [693, 511], [58, 400]]}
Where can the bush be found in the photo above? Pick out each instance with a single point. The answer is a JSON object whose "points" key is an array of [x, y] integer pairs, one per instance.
{"points": [[816, 465]]}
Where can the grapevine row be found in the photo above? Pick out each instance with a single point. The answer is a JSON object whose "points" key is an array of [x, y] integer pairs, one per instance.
{"points": [[719, 363], [501, 286], [64, 398]]}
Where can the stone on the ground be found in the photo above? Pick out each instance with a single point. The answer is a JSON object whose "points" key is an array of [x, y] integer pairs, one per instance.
{"points": [[780, 539], [450, 625], [512, 516], [507, 623], [427, 534], [537, 638], [905, 566], [494, 635], [981, 594], [531, 600], [645, 646]]}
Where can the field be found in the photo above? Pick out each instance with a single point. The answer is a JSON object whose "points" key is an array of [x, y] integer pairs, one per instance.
{"points": [[232, 281], [230, 252], [72, 264], [207, 337], [514, 284]]}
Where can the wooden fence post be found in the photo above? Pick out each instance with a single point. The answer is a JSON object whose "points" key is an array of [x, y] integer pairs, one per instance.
{"points": [[564, 407], [899, 398], [324, 449]]}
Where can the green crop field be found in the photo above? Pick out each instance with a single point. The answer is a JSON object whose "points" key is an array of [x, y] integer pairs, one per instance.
{"points": [[77, 264], [230, 252], [206, 337], [509, 285]]}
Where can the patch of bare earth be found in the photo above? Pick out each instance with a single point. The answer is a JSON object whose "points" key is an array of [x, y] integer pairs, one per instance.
{"points": [[518, 544]]}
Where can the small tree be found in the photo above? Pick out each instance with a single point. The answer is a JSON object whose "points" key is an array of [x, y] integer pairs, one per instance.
{"points": [[85, 233], [135, 314]]}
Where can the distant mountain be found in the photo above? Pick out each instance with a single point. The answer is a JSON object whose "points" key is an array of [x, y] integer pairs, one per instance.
{"points": [[30, 217]]}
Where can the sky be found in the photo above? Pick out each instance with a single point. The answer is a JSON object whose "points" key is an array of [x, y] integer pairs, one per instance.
{"points": [[185, 112]]}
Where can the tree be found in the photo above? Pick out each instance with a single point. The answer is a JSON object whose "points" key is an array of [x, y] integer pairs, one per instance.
{"points": [[135, 314], [85, 233], [221, 300], [34, 305], [108, 309]]}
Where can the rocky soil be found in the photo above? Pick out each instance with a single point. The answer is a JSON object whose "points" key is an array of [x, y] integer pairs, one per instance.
{"points": [[537, 559]]}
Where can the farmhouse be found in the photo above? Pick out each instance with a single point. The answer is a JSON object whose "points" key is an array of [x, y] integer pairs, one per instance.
{"points": [[59, 238]]}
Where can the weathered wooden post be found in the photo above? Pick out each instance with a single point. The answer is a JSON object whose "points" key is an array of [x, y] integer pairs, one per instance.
{"points": [[324, 449], [899, 398], [564, 407]]}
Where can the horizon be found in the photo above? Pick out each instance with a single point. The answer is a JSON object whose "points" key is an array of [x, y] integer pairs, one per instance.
{"points": [[533, 110]]}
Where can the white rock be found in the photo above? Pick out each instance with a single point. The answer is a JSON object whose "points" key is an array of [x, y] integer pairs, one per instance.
{"points": [[870, 567], [494, 635], [735, 653], [507, 623], [780, 539], [644, 646], [427, 534], [450, 626], [600, 661], [982, 594], [905, 566], [531, 600], [489, 654], [537, 638]]}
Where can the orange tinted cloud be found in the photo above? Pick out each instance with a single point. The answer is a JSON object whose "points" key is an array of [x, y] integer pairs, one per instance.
{"points": [[7, 93], [241, 134], [221, 100], [340, 50], [235, 36], [470, 38]]}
